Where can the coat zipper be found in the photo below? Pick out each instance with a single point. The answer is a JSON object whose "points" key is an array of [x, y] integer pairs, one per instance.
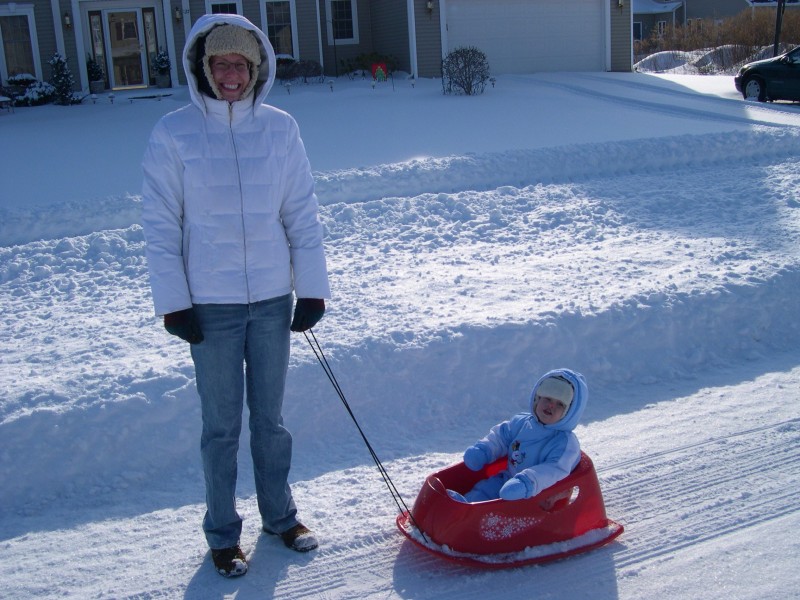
{"points": [[241, 200]]}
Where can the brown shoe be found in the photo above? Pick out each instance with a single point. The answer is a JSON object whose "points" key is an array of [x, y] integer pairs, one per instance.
{"points": [[229, 562], [298, 538]]}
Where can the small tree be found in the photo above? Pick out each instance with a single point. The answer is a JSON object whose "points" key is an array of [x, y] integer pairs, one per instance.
{"points": [[93, 69], [161, 63], [62, 80], [465, 70]]}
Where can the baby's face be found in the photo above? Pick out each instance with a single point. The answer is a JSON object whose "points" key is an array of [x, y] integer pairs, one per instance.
{"points": [[548, 410]]}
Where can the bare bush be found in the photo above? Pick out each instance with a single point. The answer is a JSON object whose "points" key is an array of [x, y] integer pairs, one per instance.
{"points": [[289, 70], [465, 71]]}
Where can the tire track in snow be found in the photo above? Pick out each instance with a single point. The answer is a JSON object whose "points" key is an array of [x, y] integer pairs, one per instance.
{"points": [[718, 107], [663, 515]]}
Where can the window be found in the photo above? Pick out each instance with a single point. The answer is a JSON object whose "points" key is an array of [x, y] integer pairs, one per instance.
{"points": [[695, 24], [637, 31], [342, 21], [125, 30], [227, 8], [279, 27], [662, 27], [17, 45]]}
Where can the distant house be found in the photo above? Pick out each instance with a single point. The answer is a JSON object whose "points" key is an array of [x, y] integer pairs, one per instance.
{"points": [[124, 36], [651, 16]]}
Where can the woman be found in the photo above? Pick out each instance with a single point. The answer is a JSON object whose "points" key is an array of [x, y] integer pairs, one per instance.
{"points": [[232, 229]]}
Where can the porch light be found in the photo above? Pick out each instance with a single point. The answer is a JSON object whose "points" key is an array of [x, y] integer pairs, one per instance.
{"points": [[178, 14], [430, 5], [67, 20]]}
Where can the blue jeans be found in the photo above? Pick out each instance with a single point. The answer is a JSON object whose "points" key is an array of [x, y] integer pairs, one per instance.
{"points": [[256, 336]]}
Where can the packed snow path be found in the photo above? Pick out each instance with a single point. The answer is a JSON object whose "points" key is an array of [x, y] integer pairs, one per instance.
{"points": [[666, 269]]}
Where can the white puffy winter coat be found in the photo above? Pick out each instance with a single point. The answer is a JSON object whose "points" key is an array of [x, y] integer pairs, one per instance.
{"points": [[230, 215]]}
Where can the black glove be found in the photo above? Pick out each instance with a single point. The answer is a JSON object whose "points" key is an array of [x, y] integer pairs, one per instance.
{"points": [[307, 313], [183, 323]]}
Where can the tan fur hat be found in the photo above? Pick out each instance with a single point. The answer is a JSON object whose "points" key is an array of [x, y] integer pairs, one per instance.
{"points": [[232, 39]]}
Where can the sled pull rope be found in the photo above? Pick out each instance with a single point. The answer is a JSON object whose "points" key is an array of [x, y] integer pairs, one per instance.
{"points": [[323, 361]]}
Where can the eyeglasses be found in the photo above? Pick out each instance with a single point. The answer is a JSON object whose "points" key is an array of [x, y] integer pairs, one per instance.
{"points": [[223, 66]]}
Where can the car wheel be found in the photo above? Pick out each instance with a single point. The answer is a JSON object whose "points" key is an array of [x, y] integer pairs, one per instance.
{"points": [[753, 89]]}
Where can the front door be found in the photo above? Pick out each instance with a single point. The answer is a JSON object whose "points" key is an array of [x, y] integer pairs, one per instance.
{"points": [[124, 38]]}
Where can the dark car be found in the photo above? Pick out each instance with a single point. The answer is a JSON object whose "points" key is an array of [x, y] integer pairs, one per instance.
{"points": [[771, 79]]}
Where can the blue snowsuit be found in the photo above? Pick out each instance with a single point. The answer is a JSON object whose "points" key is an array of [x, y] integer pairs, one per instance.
{"points": [[539, 455]]}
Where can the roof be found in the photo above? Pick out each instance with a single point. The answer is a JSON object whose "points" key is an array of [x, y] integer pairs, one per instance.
{"points": [[652, 7]]}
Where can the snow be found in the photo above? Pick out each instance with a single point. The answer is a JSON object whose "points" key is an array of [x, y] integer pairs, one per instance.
{"points": [[642, 229]]}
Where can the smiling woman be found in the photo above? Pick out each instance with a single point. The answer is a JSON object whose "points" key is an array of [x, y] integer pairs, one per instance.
{"points": [[227, 253], [231, 62], [230, 75]]}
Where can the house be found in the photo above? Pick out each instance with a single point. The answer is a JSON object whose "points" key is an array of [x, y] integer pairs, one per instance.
{"points": [[651, 16], [125, 36]]}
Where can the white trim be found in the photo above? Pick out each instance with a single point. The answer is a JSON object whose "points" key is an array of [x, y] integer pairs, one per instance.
{"points": [[292, 23], [319, 37], [633, 56], [329, 25], [443, 27], [13, 9], [80, 48], [55, 8], [163, 13], [186, 19], [607, 33], [238, 4], [412, 39], [166, 15]]}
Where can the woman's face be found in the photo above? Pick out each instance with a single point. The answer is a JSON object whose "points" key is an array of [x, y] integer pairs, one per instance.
{"points": [[231, 73]]}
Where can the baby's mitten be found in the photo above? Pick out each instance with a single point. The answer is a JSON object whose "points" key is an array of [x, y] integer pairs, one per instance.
{"points": [[475, 458], [517, 488]]}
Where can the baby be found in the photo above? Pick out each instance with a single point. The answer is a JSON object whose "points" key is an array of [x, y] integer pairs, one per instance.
{"points": [[540, 445]]}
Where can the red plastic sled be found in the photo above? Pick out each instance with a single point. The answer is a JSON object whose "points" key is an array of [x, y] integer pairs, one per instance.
{"points": [[565, 519]]}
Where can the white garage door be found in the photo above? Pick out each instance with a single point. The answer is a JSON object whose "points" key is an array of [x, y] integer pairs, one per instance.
{"points": [[525, 36]]}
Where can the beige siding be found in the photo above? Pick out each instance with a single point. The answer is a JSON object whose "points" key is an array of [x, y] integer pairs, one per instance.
{"points": [[429, 39], [390, 32], [334, 56], [307, 30], [46, 34], [621, 36]]}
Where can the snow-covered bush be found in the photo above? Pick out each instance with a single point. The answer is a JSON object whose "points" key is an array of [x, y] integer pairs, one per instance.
{"points": [[37, 94], [21, 80], [161, 63], [62, 80], [93, 70]]}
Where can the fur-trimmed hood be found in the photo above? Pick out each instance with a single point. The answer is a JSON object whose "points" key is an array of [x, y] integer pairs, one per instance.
{"points": [[570, 420], [192, 58]]}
